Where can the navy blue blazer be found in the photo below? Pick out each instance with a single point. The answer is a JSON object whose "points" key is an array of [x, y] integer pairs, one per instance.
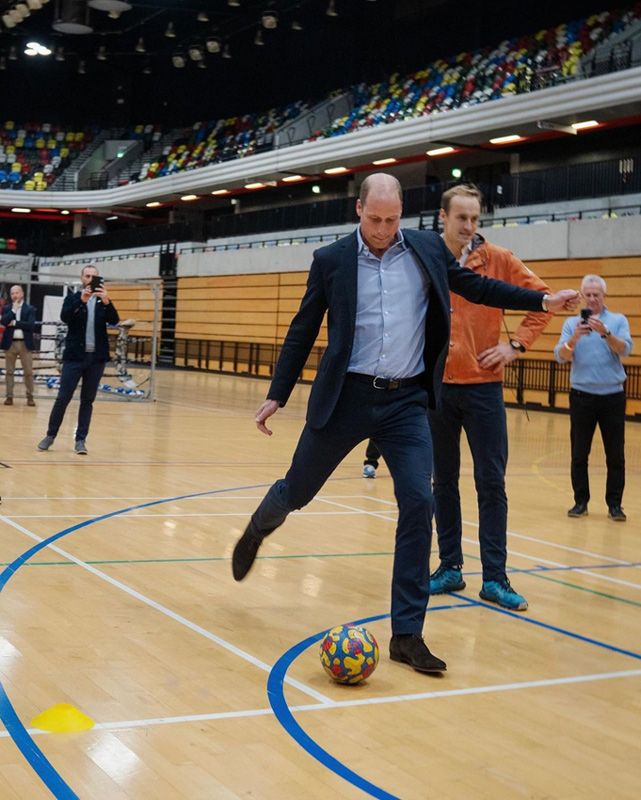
{"points": [[27, 323], [74, 313], [332, 287]]}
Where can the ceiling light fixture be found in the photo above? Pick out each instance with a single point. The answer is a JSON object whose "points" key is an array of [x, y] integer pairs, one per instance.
{"points": [[21, 210], [153, 204], [82, 67], [270, 19], [254, 185], [178, 60], [588, 123], [60, 54], [195, 51], [170, 31], [220, 191], [511, 137], [114, 8], [335, 170], [258, 39], [331, 9], [65, 212], [440, 151], [380, 161], [140, 46], [226, 51], [101, 55], [212, 43], [203, 16], [233, 3], [293, 178], [188, 198]]}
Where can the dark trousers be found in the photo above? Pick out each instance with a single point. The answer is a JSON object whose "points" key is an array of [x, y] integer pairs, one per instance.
{"points": [[397, 420], [608, 411], [372, 454], [478, 409], [90, 372]]}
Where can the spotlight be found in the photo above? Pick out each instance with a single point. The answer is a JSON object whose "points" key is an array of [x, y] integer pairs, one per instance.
{"points": [[195, 51], [101, 55], [13, 54], [331, 9], [203, 16], [270, 19], [226, 52], [9, 21], [82, 67], [212, 43], [60, 54], [258, 39], [233, 3], [178, 60], [170, 31], [140, 46]]}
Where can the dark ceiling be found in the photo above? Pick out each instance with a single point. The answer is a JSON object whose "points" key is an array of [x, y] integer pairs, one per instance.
{"points": [[365, 40]]}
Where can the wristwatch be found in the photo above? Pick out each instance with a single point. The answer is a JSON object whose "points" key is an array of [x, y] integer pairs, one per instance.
{"points": [[517, 345], [606, 333]]}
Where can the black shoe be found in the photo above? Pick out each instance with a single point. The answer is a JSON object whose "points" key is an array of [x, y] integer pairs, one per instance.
{"points": [[616, 513], [578, 510], [245, 552], [411, 649]]}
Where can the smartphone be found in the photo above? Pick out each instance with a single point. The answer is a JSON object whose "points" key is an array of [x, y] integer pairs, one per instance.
{"points": [[585, 313], [96, 282]]}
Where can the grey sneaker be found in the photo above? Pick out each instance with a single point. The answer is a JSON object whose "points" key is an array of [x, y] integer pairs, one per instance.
{"points": [[369, 471], [80, 447], [46, 443]]}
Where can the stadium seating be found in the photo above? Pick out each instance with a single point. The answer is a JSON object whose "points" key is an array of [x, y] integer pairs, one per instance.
{"points": [[32, 154]]}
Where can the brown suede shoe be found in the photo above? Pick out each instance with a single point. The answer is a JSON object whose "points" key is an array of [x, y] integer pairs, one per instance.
{"points": [[8, 401], [31, 401]]}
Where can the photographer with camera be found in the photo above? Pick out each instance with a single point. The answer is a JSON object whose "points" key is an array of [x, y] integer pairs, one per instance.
{"points": [[594, 342], [87, 314]]}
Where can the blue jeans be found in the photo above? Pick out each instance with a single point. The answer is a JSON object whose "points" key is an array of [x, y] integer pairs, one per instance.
{"points": [[397, 422], [478, 409], [90, 372]]}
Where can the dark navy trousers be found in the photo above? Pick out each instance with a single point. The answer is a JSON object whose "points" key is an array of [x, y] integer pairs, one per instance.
{"points": [[478, 409], [397, 421], [90, 372]]}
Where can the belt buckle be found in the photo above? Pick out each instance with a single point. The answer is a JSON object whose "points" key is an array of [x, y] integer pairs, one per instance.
{"points": [[378, 378]]}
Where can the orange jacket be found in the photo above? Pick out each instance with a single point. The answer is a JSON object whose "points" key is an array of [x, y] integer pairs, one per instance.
{"points": [[475, 328]]}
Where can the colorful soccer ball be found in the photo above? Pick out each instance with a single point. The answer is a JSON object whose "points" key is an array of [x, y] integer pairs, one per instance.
{"points": [[349, 653]]}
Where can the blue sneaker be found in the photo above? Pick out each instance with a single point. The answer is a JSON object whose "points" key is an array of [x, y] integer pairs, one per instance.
{"points": [[501, 593], [369, 471], [446, 579]]}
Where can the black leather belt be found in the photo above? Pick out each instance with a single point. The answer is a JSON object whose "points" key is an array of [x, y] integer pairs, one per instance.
{"points": [[386, 384]]}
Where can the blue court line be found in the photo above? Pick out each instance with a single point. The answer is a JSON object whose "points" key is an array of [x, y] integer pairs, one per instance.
{"points": [[21, 738], [276, 695], [52, 779], [546, 625], [275, 688]]}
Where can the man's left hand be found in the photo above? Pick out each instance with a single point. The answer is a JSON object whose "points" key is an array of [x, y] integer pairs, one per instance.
{"points": [[496, 357], [563, 300]]}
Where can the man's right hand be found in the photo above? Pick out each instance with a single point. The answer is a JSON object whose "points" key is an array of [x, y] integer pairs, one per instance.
{"points": [[268, 408], [86, 294]]}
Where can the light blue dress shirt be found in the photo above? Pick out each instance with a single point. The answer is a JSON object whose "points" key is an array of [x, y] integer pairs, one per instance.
{"points": [[596, 368], [391, 305]]}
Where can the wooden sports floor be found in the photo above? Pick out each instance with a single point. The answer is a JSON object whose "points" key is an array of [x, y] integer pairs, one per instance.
{"points": [[117, 599]]}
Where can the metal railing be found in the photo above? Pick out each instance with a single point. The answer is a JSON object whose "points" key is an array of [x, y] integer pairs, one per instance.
{"points": [[258, 359]]}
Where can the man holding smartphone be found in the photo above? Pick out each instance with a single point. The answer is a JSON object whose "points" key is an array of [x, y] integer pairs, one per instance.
{"points": [[594, 342], [87, 314]]}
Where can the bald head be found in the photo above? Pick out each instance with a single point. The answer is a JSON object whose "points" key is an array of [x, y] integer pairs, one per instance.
{"points": [[380, 185], [17, 295], [379, 208]]}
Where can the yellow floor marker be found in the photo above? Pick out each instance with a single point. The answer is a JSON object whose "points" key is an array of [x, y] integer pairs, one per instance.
{"points": [[62, 718]]}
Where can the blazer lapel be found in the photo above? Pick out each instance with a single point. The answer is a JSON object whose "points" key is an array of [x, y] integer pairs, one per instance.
{"points": [[349, 276]]}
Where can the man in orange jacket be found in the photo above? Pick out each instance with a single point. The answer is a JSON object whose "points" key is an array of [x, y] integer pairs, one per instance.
{"points": [[472, 400]]}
